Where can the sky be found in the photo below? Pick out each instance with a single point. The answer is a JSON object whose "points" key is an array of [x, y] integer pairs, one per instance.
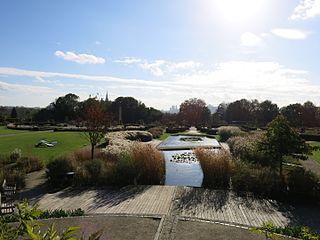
{"points": [[161, 52]]}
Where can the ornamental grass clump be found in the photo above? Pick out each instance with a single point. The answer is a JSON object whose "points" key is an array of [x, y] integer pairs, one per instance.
{"points": [[156, 131], [227, 132], [148, 163], [216, 167], [248, 149], [137, 164]]}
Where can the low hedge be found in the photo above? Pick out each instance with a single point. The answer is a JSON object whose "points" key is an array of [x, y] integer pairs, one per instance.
{"points": [[310, 137]]}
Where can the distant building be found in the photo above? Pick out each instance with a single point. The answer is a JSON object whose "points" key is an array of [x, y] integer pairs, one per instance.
{"points": [[174, 109]]}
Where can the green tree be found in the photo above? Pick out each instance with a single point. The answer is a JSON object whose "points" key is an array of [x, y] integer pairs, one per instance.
{"points": [[14, 113], [282, 140], [266, 112], [293, 113], [65, 108]]}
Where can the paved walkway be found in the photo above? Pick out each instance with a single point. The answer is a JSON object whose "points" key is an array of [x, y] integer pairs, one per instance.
{"points": [[174, 203], [311, 165]]}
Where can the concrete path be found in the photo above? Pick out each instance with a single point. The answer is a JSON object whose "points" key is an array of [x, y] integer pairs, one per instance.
{"points": [[174, 203], [311, 165], [132, 227]]}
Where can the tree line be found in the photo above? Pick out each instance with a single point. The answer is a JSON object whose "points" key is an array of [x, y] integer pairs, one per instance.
{"points": [[244, 112], [69, 109], [128, 110]]}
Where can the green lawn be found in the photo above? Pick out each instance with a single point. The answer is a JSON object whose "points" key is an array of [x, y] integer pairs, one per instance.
{"points": [[165, 135], [4, 131], [67, 142], [315, 154]]}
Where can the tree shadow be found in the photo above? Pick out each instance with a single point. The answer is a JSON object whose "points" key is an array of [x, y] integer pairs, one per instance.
{"points": [[296, 213], [105, 197], [33, 194], [302, 214], [191, 198]]}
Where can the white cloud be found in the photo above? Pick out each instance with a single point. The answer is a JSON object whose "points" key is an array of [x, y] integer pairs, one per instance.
{"points": [[80, 58], [160, 67], [262, 80], [96, 78], [187, 65], [226, 81], [290, 33], [128, 60], [306, 9], [249, 39], [4, 86], [154, 68], [97, 43]]}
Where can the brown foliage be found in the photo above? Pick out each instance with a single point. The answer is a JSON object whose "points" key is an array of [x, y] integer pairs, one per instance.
{"points": [[216, 167]]}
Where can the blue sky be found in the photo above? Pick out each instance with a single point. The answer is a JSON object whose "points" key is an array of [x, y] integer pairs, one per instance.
{"points": [[160, 52]]}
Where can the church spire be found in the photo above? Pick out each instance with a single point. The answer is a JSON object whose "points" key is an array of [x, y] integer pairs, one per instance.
{"points": [[107, 97]]}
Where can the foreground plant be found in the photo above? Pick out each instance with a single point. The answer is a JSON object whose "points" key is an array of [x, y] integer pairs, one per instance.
{"points": [[28, 228], [270, 231]]}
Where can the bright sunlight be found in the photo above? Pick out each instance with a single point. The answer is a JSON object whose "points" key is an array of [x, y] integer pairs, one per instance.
{"points": [[239, 11]]}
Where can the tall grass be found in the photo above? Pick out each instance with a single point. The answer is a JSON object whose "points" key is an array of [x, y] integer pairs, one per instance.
{"points": [[216, 167], [226, 132], [156, 131], [139, 164], [149, 164], [248, 149]]}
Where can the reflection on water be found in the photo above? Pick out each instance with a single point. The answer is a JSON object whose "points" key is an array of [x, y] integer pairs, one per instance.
{"points": [[188, 142], [180, 173]]}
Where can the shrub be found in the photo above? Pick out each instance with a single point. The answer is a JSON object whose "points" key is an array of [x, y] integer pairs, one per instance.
{"points": [[304, 184], [269, 230], [56, 213], [29, 164], [248, 149], [15, 177], [142, 136], [57, 170], [229, 131], [176, 129], [256, 179], [5, 159], [15, 155], [156, 132], [138, 164], [216, 167]]}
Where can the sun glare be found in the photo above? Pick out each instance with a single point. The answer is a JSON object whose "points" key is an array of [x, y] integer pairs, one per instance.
{"points": [[238, 10]]}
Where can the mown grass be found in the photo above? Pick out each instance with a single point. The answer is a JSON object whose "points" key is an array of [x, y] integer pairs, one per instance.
{"points": [[315, 154], [67, 142], [4, 131], [165, 135]]}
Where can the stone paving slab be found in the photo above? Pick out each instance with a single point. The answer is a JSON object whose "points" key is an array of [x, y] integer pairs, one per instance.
{"points": [[188, 202], [143, 200]]}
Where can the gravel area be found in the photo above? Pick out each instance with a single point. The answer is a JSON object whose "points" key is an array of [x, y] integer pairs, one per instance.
{"points": [[115, 227], [203, 231]]}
